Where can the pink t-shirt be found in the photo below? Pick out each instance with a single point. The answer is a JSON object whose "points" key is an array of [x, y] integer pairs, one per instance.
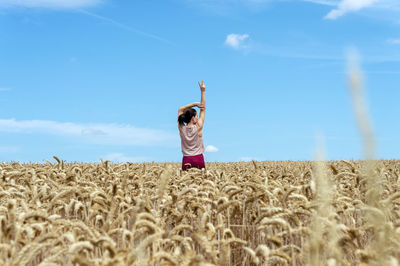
{"points": [[192, 143]]}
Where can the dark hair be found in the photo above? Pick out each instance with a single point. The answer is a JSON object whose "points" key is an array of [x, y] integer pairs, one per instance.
{"points": [[186, 116]]}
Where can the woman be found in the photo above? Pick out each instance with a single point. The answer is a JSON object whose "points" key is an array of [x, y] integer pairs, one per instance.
{"points": [[191, 132]]}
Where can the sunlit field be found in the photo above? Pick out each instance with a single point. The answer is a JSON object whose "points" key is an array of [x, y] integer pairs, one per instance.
{"points": [[246, 213], [116, 94]]}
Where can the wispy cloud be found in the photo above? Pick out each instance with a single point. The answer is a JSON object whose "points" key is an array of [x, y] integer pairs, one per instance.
{"points": [[5, 89], [77, 5], [57, 4], [211, 148], [393, 41], [325, 56], [226, 7], [123, 26], [93, 132], [121, 158], [236, 41], [346, 6], [103, 134], [343, 7]]}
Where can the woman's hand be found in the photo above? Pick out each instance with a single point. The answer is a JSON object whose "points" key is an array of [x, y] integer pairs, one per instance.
{"points": [[202, 86]]}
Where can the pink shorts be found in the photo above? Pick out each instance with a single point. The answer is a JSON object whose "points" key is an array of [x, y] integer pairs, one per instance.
{"points": [[196, 161]]}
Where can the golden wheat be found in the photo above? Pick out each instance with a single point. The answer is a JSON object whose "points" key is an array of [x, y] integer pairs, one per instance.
{"points": [[257, 213]]}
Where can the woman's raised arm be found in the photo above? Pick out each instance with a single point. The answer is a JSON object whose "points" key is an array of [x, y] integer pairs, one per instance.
{"points": [[200, 122], [183, 108]]}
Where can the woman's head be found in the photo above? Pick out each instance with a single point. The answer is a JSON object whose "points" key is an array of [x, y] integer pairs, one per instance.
{"points": [[187, 116]]}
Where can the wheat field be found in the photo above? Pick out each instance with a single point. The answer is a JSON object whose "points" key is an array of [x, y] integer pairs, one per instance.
{"points": [[244, 213]]}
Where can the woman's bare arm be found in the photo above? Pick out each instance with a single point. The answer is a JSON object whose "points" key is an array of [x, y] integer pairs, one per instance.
{"points": [[200, 122], [183, 108]]}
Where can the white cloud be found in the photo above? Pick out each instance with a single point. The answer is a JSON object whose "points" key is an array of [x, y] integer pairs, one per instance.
{"points": [[59, 4], [211, 148], [104, 134], [341, 7], [5, 89], [346, 6], [393, 41], [121, 158], [236, 40], [93, 132], [392, 5]]}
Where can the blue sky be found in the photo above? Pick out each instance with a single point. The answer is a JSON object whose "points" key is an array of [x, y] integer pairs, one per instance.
{"points": [[91, 79]]}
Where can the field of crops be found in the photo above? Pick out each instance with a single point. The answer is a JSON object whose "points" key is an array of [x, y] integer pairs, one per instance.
{"points": [[247, 213]]}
